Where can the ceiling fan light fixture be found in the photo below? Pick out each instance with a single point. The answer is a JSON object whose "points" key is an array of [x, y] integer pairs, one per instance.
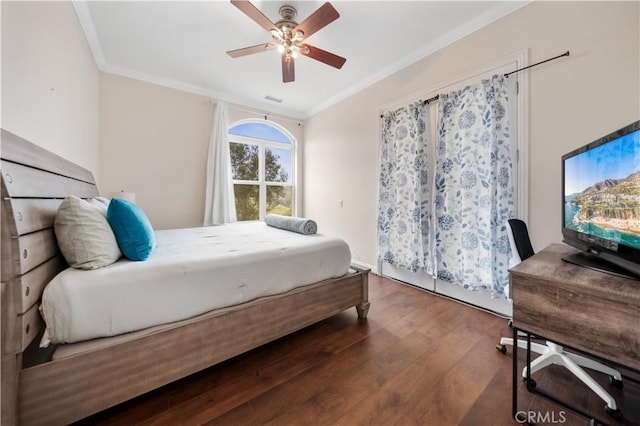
{"points": [[289, 36], [276, 34]]}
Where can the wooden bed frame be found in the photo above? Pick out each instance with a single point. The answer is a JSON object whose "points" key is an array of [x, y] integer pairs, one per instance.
{"points": [[36, 390]]}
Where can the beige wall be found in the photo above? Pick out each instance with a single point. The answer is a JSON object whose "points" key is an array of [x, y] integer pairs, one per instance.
{"points": [[50, 82], [572, 102], [154, 142]]}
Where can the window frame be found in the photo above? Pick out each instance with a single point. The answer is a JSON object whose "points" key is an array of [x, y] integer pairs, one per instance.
{"points": [[262, 145]]}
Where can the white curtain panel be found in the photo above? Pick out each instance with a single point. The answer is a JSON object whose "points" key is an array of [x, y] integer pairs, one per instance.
{"points": [[404, 203], [474, 187], [219, 205]]}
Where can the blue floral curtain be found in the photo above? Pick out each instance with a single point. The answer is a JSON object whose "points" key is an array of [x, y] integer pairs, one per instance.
{"points": [[404, 205], [474, 188]]}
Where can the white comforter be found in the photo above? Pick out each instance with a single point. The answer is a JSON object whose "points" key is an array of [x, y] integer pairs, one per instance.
{"points": [[191, 271]]}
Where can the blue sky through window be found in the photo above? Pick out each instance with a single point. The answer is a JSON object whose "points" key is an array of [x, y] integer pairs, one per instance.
{"points": [[614, 160], [284, 160], [260, 131]]}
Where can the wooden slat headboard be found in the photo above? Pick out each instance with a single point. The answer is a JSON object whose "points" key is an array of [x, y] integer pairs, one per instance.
{"points": [[34, 183]]}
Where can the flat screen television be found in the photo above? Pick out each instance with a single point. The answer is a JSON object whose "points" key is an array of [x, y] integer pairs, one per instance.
{"points": [[601, 202]]}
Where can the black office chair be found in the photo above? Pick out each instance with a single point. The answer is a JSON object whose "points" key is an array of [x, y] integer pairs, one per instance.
{"points": [[551, 353]]}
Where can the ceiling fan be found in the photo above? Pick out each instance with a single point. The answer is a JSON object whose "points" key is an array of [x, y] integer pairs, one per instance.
{"points": [[288, 36]]}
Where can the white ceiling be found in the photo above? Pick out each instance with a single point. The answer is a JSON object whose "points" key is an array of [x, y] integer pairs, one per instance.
{"points": [[183, 44]]}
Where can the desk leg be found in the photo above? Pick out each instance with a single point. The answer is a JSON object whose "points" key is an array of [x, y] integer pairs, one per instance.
{"points": [[521, 418], [514, 394], [530, 383]]}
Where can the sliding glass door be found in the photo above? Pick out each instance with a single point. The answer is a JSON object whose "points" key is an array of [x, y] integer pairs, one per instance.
{"points": [[470, 167]]}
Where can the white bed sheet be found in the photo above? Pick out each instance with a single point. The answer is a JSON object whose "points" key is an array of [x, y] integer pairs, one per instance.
{"points": [[191, 271]]}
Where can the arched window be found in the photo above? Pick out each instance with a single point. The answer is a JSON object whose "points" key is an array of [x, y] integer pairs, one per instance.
{"points": [[262, 163]]}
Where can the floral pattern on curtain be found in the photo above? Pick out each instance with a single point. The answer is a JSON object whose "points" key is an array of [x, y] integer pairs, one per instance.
{"points": [[474, 188], [404, 204]]}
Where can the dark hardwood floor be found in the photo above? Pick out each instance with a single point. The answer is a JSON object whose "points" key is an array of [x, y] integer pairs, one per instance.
{"points": [[419, 359]]}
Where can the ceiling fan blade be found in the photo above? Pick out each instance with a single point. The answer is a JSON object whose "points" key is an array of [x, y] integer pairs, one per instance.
{"points": [[254, 13], [251, 50], [288, 69], [322, 56], [319, 19]]}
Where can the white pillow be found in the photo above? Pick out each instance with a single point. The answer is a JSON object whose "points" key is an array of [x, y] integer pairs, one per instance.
{"points": [[101, 203], [84, 235]]}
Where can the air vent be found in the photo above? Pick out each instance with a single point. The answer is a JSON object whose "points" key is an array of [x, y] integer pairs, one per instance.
{"points": [[272, 99]]}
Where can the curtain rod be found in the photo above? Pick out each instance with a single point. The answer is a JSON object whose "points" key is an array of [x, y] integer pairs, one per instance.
{"points": [[542, 62], [428, 101], [425, 102], [436, 97]]}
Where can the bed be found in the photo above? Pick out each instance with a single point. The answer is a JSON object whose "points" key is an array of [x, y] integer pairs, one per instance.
{"points": [[64, 383]]}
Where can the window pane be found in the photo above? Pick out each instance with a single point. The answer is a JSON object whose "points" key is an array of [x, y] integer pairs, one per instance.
{"points": [[247, 207], [244, 161], [260, 131], [279, 200], [277, 165]]}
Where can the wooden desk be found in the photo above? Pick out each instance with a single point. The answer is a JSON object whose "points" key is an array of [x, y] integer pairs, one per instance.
{"points": [[588, 310]]}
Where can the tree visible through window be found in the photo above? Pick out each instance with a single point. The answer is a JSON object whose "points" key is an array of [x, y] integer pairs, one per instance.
{"points": [[262, 166]]}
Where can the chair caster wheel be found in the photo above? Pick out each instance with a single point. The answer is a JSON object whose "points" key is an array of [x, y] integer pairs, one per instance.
{"points": [[615, 382], [616, 414], [531, 384], [501, 348]]}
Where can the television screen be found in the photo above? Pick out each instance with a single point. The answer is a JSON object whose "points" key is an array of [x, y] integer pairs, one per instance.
{"points": [[601, 194], [602, 191]]}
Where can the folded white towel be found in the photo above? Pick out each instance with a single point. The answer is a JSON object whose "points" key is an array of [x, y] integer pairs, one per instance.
{"points": [[294, 224]]}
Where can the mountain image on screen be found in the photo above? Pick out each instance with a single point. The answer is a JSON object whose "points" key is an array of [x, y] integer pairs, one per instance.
{"points": [[608, 209]]}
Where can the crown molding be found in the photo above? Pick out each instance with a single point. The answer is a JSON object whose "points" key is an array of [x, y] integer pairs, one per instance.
{"points": [[84, 16], [260, 107], [501, 10]]}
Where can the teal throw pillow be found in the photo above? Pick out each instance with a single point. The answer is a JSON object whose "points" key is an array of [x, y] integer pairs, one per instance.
{"points": [[132, 229]]}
